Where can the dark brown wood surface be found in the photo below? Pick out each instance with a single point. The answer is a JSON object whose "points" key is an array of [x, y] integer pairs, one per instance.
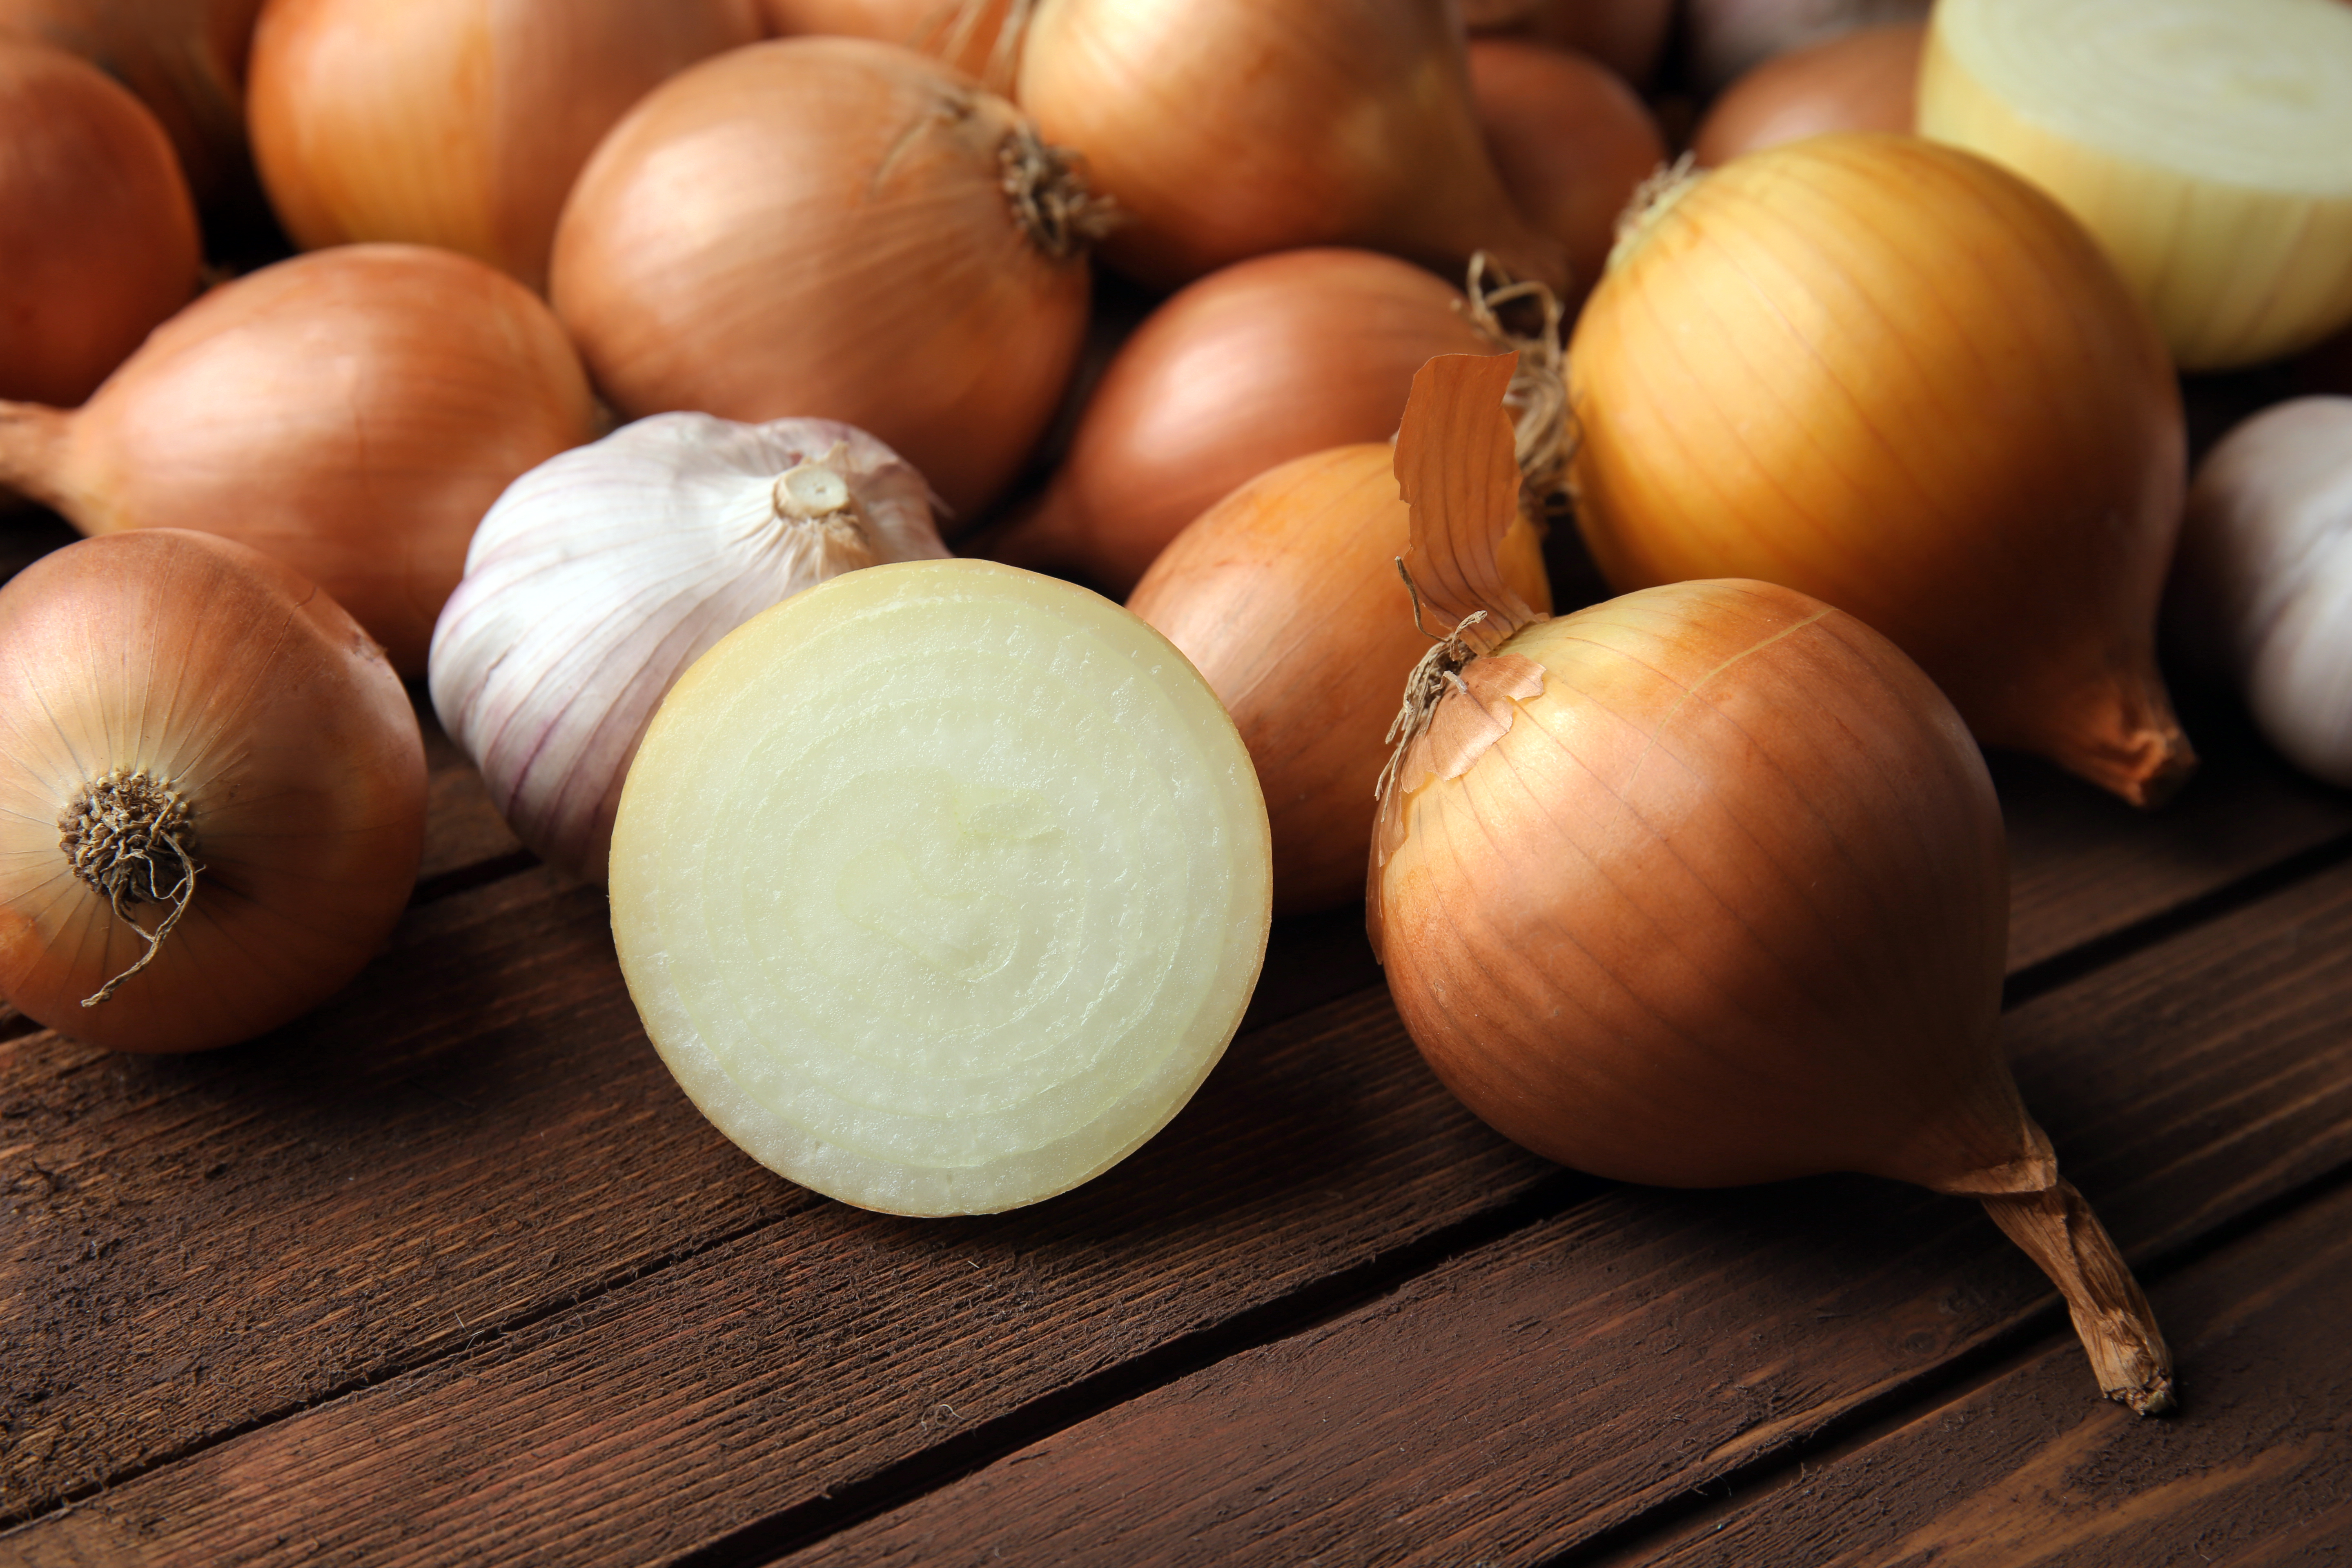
{"points": [[450, 1268]]}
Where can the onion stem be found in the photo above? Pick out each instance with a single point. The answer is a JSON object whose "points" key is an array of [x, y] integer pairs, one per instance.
{"points": [[2112, 1316]]}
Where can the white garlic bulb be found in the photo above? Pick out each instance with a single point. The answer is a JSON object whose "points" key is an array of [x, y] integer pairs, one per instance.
{"points": [[2264, 575], [602, 573]]}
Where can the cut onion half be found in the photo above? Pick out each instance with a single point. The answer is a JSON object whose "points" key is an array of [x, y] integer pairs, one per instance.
{"points": [[2207, 144], [941, 885]]}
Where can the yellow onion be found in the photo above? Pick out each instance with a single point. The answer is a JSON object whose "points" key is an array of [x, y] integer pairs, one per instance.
{"points": [[1724, 39], [2207, 144], [212, 793], [95, 222], [1571, 141], [353, 412], [964, 34], [1859, 81], [1258, 362], [1706, 885], [1893, 376], [1227, 129], [186, 60], [1626, 36], [456, 122], [833, 228]]}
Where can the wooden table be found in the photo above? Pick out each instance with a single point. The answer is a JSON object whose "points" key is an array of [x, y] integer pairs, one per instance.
{"points": [[450, 1271]]}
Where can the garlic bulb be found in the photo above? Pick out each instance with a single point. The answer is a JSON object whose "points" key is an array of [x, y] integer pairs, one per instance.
{"points": [[2264, 581], [602, 573]]}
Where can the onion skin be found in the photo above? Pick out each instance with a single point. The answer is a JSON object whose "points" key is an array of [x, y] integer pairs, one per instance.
{"points": [[1895, 377], [94, 220], [1571, 140], [1258, 362], [1626, 36], [1229, 129], [950, 30], [1726, 39], [210, 664], [352, 412], [1286, 597], [186, 60], [1866, 80], [818, 227], [456, 122]]}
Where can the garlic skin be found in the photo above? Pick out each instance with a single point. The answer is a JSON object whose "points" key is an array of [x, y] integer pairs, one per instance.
{"points": [[601, 574], [2264, 581]]}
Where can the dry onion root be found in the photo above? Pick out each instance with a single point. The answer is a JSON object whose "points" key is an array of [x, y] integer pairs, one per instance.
{"points": [[2204, 142], [212, 793], [1893, 376], [1707, 886], [941, 885]]}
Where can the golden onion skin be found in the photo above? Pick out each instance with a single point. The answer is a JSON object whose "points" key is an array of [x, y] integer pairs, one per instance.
{"points": [[1895, 377]]}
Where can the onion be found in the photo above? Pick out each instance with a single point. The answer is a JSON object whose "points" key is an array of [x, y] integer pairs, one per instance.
{"points": [[2264, 575], [212, 793], [1256, 364], [186, 60], [1626, 36], [1707, 886], [456, 122], [964, 34], [835, 228], [95, 222], [1231, 128], [941, 886], [1861, 80], [353, 413], [2207, 144], [1571, 141], [1726, 39], [1893, 376], [604, 572]]}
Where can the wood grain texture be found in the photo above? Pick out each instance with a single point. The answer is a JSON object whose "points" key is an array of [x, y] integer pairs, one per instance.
{"points": [[1525, 1397], [2257, 1469]]}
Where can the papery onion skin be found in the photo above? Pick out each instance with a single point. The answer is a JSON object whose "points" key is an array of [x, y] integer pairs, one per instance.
{"points": [[1865, 79], [1228, 129], [223, 672], [965, 36], [1286, 596], [353, 412], [96, 223], [2203, 143], [1892, 375], [603, 574], [2264, 581], [1626, 36], [1571, 141], [456, 122], [186, 60], [818, 227], [1258, 362]]}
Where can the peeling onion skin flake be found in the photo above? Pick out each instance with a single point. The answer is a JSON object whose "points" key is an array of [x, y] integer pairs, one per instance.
{"points": [[941, 885]]}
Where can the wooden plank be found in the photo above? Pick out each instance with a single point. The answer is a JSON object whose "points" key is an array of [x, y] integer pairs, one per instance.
{"points": [[2254, 1472], [1528, 1396], [1558, 1380]]}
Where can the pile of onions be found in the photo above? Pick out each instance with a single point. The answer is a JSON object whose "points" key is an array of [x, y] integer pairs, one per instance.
{"points": [[1893, 376], [1571, 141], [604, 572], [456, 122], [212, 793], [186, 60], [2203, 141], [833, 228], [2264, 583], [1228, 129], [352, 412], [95, 222], [1256, 364], [941, 885], [1726, 39], [1707, 886], [1626, 36], [1865, 79]]}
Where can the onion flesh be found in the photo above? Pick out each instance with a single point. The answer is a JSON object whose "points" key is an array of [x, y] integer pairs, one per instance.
{"points": [[164, 664], [2207, 144], [941, 885]]}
